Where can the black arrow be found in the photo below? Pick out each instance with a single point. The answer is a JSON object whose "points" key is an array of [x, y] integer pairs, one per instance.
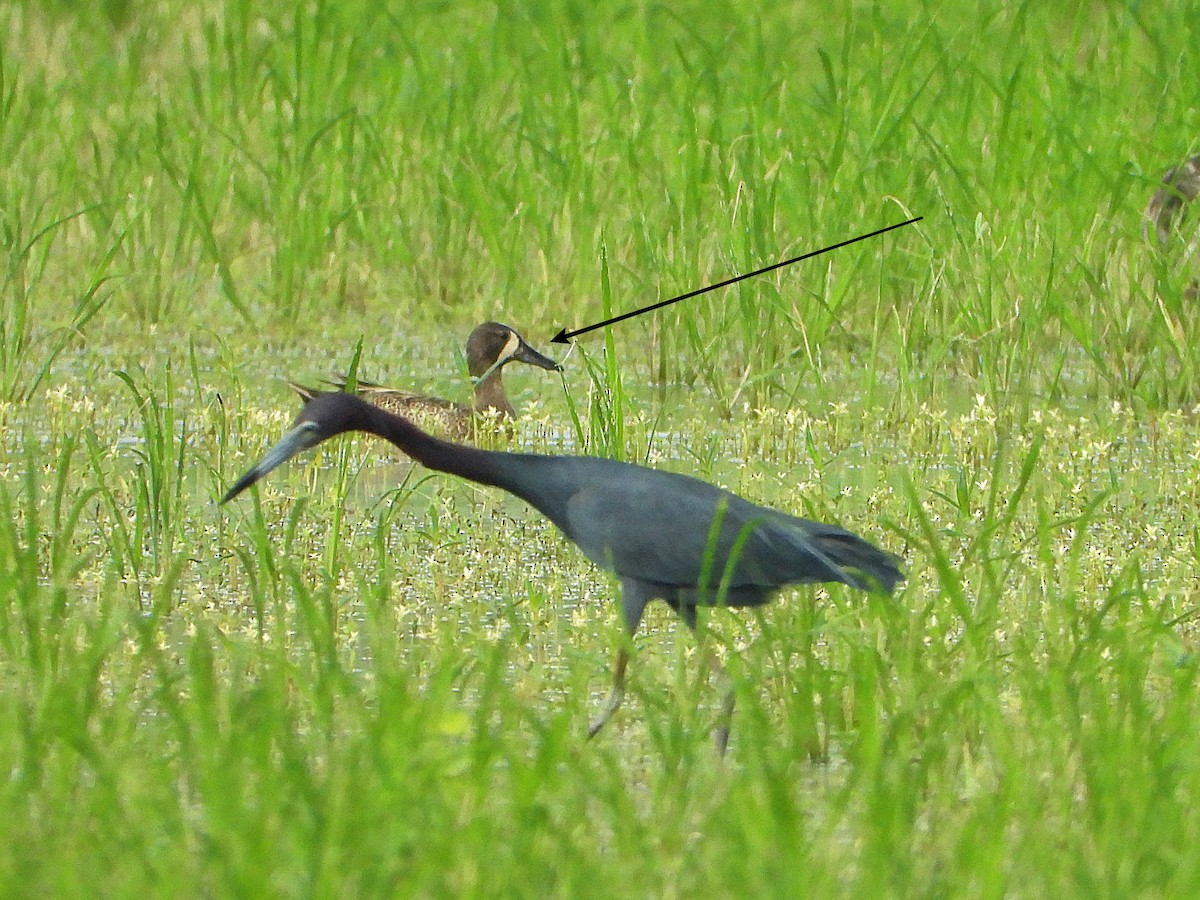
{"points": [[564, 336]]}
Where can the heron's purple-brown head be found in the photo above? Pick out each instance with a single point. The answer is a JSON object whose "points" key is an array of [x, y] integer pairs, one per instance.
{"points": [[325, 414]]}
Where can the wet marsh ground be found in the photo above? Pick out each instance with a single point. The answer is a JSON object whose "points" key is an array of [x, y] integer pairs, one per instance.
{"points": [[364, 680]]}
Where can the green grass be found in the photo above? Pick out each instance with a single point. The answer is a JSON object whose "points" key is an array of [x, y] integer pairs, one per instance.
{"points": [[361, 680]]}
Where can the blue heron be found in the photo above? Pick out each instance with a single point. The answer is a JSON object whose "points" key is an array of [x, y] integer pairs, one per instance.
{"points": [[664, 535]]}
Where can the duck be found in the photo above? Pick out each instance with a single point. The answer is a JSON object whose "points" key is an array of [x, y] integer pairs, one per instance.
{"points": [[1180, 186], [490, 347]]}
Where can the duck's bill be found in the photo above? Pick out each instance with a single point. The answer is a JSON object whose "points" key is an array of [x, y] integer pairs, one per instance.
{"points": [[527, 354], [297, 440]]}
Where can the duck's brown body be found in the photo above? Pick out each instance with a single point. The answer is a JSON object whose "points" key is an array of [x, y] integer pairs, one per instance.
{"points": [[490, 347], [1180, 186]]}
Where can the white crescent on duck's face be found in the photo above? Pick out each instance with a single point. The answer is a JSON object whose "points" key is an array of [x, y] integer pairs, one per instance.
{"points": [[510, 347]]}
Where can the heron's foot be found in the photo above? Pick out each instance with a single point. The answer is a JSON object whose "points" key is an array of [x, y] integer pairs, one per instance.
{"points": [[721, 739], [611, 706], [615, 696], [721, 733]]}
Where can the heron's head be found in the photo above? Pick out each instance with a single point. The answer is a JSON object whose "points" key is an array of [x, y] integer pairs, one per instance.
{"points": [[325, 415]]}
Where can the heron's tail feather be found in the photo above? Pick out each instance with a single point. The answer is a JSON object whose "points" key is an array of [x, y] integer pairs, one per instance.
{"points": [[869, 567]]}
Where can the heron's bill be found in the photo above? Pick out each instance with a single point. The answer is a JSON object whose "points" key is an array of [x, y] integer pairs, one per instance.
{"points": [[299, 439]]}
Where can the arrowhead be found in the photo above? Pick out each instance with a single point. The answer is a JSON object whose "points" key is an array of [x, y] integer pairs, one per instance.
{"points": [[561, 337]]}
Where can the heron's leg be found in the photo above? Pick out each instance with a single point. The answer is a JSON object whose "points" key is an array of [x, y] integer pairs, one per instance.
{"points": [[725, 722], [634, 597], [721, 734], [615, 696]]}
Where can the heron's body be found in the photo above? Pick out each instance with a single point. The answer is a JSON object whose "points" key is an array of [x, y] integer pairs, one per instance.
{"points": [[642, 524], [664, 535]]}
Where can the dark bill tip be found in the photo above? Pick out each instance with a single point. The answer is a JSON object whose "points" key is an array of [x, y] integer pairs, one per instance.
{"points": [[527, 354], [244, 482], [300, 438]]}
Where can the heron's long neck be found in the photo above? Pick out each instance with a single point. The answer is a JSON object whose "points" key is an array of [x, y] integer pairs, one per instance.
{"points": [[434, 453]]}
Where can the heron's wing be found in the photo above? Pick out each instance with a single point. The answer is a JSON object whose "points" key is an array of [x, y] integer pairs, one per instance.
{"points": [[678, 531]]}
